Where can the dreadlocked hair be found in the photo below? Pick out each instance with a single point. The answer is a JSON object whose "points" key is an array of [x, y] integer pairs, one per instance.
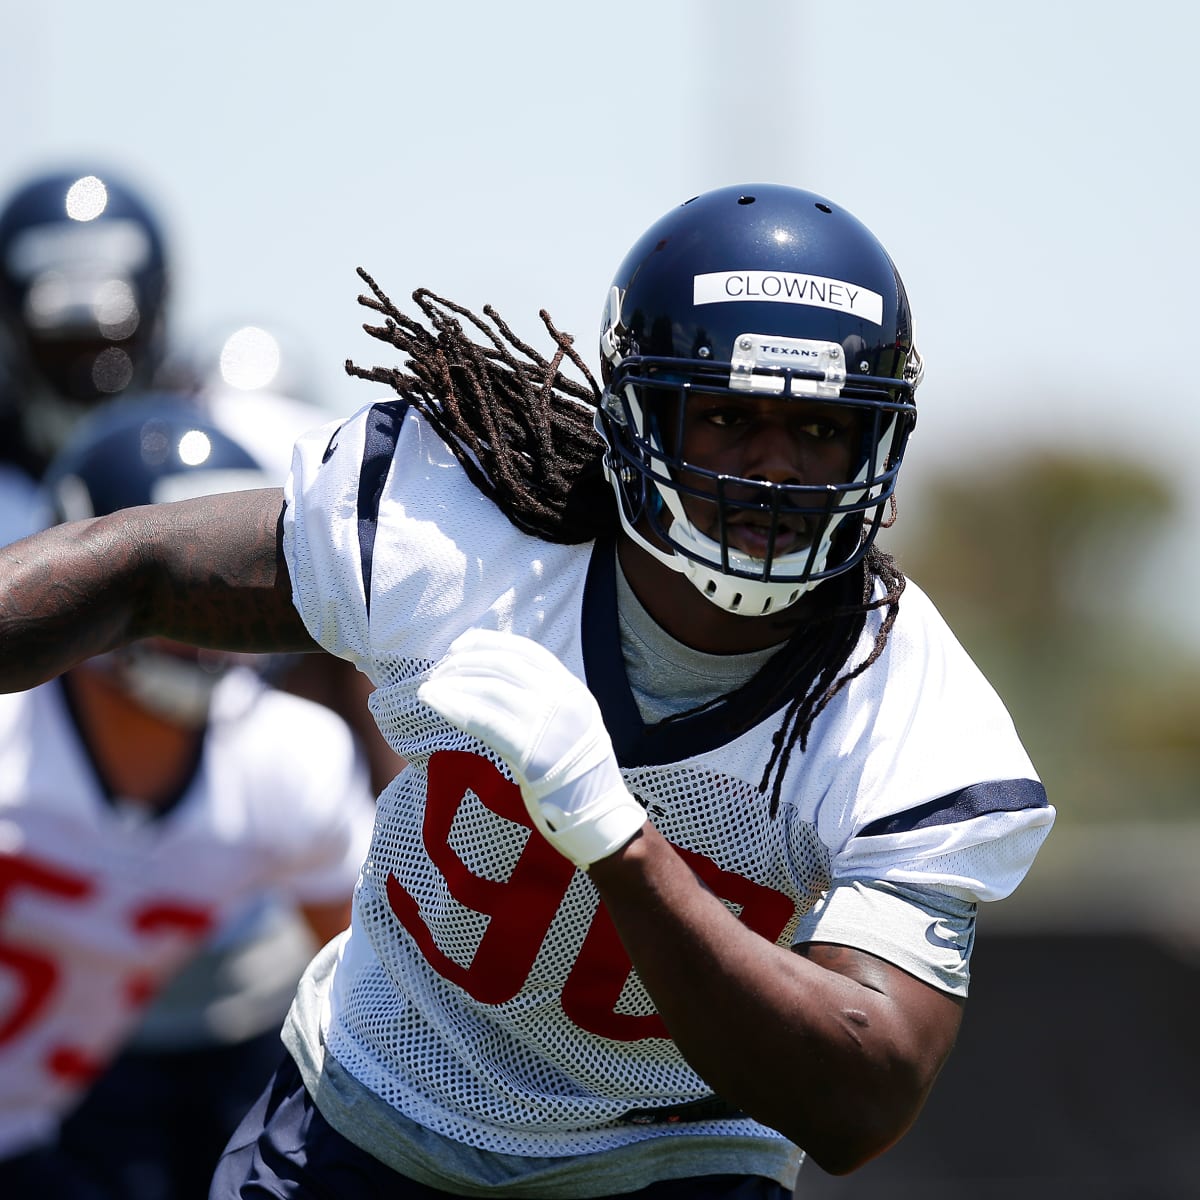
{"points": [[822, 663], [519, 426], [523, 432]]}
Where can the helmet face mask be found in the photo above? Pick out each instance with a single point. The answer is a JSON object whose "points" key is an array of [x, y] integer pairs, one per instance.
{"points": [[686, 513], [731, 301]]}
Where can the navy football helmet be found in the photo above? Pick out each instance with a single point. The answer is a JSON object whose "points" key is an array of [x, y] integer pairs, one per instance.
{"points": [[83, 286], [145, 449], [151, 449], [755, 291]]}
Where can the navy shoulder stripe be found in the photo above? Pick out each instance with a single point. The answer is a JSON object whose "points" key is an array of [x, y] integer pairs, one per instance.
{"points": [[383, 432], [998, 795]]}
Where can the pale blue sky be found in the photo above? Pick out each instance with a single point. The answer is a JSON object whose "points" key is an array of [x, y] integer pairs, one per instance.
{"points": [[1031, 166]]}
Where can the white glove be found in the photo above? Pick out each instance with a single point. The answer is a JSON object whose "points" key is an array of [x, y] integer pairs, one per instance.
{"points": [[517, 698]]}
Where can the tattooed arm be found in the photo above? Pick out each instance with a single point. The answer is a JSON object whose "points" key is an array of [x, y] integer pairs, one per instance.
{"points": [[209, 572]]}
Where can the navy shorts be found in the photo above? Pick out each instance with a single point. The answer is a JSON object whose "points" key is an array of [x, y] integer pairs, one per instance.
{"points": [[285, 1148], [47, 1174]]}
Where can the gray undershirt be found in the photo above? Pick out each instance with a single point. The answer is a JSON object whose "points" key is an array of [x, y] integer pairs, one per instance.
{"points": [[667, 677]]}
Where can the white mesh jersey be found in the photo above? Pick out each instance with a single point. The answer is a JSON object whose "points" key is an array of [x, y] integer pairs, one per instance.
{"points": [[483, 990], [100, 904]]}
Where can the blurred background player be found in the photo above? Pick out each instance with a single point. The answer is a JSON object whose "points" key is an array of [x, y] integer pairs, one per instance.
{"points": [[86, 288], [254, 380], [148, 799], [83, 294]]}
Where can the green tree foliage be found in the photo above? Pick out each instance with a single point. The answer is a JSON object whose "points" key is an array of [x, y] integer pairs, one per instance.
{"points": [[1037, 564]]}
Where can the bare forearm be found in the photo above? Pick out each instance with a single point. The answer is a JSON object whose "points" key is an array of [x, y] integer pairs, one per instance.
{"points": [[825, 1057], [202, 571], [65, 594]]}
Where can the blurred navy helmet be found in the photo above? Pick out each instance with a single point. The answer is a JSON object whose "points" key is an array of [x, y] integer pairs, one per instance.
{"points": [[83, 289], [151, 449], [751, 292], [145, 449]]}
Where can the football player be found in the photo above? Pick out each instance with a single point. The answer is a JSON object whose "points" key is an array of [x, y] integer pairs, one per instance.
{"points": [[149, 799], [83, 299], [680, 881], [255, 382]]}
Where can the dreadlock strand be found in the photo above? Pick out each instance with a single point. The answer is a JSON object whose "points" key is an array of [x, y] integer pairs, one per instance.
{"points": [[832, 676], [500, 406], [589, 392]]}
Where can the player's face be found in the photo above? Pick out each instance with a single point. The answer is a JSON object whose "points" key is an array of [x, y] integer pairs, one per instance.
{"points": [[763, 438]]}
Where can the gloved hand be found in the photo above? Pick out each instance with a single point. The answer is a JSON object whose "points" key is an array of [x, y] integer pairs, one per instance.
{"points": [[516, 697]]}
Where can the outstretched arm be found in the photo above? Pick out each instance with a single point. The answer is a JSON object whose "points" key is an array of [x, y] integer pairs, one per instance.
{"points": [[209, 572], [832, 1046]]}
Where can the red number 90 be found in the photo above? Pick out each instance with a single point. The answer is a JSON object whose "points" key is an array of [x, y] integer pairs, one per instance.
{"points": [[522, 907]]}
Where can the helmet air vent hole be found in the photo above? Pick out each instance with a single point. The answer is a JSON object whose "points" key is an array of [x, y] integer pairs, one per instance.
{"points": [[745, 199], [824, 208]]}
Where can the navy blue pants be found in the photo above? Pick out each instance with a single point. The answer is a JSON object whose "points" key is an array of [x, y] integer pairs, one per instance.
{"points": [[47, 1175], [285, 1149], [154, 1124]]}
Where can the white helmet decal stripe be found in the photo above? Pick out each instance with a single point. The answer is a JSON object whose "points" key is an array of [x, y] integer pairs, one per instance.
{"points": [[786, 287]]}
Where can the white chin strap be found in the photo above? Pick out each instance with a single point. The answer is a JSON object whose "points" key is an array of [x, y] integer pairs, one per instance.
{"points": [[734, 594], [744, 597], [177, 690]]}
